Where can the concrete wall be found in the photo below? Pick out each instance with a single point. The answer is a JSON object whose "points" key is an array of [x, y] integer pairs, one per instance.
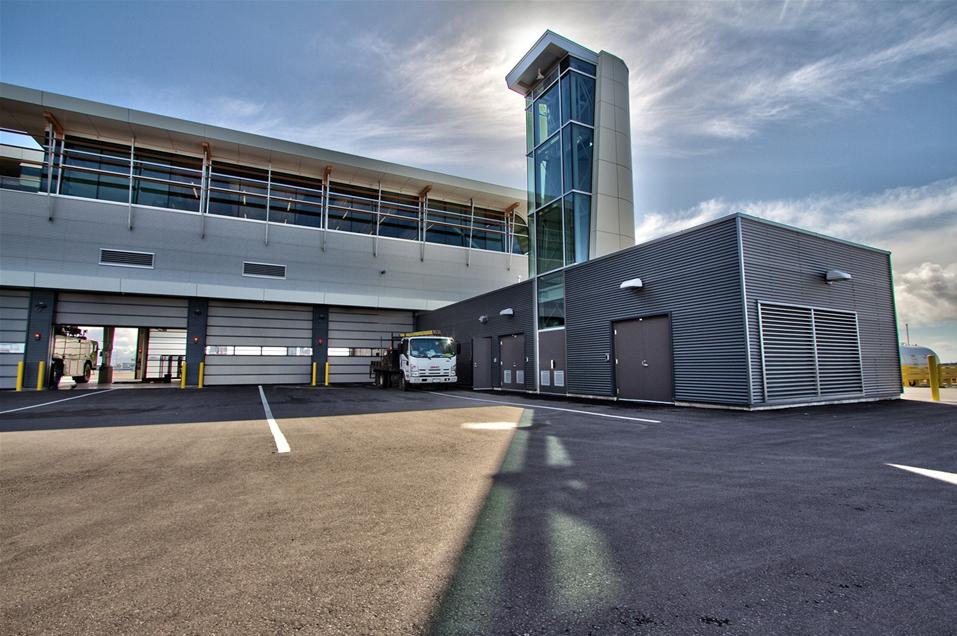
{"points": [[613, 208], [64, 254]]}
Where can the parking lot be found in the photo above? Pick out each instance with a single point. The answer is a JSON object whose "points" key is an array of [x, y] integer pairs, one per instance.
{"points": [[470, 513]]}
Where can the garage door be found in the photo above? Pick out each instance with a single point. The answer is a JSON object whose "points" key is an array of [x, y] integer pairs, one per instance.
{"points": [[118, 310], [358, 336], [258, 343], [14, 307], [809, 353]]}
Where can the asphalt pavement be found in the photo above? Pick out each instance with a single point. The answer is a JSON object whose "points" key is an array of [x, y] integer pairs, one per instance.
{"points": [[461, 513]]}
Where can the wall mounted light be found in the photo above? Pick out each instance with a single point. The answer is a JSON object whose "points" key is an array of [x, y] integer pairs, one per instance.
{"points": [[631, 283], [40, 306], [483, 319], [508, 311], [836, 276]]}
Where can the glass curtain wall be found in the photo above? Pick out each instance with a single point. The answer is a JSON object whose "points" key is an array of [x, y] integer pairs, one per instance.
{"points": [[95, 169], [560, 136]]}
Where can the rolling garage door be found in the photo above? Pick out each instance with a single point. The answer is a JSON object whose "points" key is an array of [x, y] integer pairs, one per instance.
{"points": [[258, 343], [116, 310], [809, 352], [14, 309], [358, 336]]}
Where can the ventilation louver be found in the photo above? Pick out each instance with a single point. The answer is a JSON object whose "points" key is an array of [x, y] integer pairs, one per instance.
{"points": [[266, 270], [124, 258], [809, 352]]}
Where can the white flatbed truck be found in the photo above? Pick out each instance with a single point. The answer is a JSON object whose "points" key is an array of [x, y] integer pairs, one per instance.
{"points": [[417, 358]]}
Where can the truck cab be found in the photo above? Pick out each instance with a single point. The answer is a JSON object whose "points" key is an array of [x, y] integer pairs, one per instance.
{"points": [[418, 358]]}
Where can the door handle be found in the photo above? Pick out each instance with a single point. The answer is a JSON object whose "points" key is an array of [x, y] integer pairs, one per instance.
{"points": [[644, 363]]}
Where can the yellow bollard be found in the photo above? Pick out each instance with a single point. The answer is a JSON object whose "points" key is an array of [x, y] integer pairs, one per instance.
{"points": [[327, 374], [202, 372], [182, 376], [904, 376], [40, 370], [314, 366], [20, 376], [933, 366]]}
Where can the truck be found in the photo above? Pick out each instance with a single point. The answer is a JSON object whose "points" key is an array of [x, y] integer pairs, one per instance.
{"points": [[419, 357], [74, 355]]}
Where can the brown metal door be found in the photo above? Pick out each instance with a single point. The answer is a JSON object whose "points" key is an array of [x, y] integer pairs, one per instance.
{"points": [[481, 363], [643, 360], [513, 361], [551, 361]]}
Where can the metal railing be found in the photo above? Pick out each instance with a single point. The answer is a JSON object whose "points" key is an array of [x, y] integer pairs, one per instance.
{"points": [[210, 188]]}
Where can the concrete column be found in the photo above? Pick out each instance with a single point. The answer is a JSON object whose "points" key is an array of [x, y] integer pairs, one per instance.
{"points": [[320, 339], [39, 336], [195, 338], [105, 375]]}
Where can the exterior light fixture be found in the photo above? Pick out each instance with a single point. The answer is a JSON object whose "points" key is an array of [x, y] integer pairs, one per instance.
{"points": [[836, 275], [483, 319], [632, 283], [508, 311]]}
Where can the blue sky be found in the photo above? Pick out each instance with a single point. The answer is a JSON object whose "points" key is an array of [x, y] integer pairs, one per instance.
{"points": [[834, 116]]}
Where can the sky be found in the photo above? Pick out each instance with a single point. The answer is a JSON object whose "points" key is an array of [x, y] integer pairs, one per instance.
{"points": [[837, 117]]}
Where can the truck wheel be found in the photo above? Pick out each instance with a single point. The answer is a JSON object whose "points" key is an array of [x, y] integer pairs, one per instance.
{"points": [[87, 374]]}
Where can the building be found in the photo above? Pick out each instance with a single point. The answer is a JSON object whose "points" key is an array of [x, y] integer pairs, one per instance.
{"points": [[739, 313], [260, 257], [253, 255]]}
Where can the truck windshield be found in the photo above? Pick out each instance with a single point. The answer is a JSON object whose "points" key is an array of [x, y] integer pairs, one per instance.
{"points": [[431, 347]]}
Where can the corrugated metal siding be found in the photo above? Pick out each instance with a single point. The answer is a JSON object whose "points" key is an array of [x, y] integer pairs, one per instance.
{"points": [[117, 310], [258, 324], [695, 277], [786, 266], [14, 311], [362, 329], [461, 321]]}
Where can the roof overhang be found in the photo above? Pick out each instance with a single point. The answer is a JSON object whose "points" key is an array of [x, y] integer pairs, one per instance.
{"points": [[549, 48], [25, 109]]}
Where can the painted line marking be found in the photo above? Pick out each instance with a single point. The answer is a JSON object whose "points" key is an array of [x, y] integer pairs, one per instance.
{"points": [[550, 408], [75, 397], [282, 446], [950, 478]]}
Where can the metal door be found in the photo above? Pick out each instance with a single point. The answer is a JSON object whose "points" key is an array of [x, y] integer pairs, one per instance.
{"points": [[551, 361], [643, 360], [481, 363], [513, 362]]}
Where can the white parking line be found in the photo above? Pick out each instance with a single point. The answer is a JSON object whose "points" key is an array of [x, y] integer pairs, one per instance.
{"points": [[550, 408], [282, 446], [75, 397], [950, 478]]}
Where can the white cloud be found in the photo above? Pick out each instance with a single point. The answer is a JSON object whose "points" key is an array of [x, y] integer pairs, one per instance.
{"points": [[927, 294]]}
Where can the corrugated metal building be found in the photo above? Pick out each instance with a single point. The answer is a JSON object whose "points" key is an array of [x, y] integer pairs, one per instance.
{"points": [[738, 312]]}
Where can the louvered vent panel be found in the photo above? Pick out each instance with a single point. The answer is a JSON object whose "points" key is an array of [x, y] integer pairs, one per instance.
{"points": [[126, 258], [809, 352], [264, 269], [838, 352], [788, 341]]}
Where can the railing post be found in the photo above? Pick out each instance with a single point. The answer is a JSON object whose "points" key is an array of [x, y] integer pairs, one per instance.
{"points": [[268, 195], [468, 248], [130, 193], [208, 163], [325, 205], [378, 219], [51, 153]]}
